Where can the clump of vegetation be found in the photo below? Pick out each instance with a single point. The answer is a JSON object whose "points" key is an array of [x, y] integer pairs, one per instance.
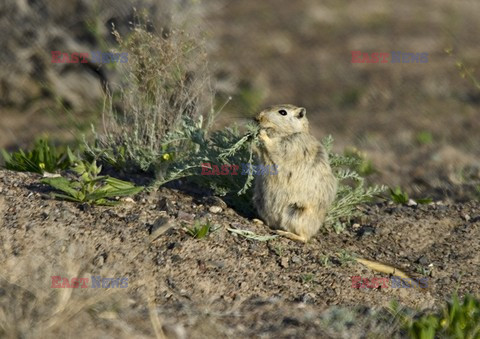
{"points": [[200, 230], [464, 70], [457, 319], [90, 187], [165, 91], [346, 258], [352, 189], [44, 157], [400, 197]]}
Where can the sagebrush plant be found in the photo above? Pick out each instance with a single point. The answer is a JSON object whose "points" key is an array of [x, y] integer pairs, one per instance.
{"points": [[352, 189], [165, 94]]}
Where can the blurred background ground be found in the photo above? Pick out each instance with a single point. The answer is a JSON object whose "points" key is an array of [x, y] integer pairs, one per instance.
{"points": [[417, 122]]}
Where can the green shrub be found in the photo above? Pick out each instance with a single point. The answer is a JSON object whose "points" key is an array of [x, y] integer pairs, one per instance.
{"points": [[44, 157], [459, 319]]}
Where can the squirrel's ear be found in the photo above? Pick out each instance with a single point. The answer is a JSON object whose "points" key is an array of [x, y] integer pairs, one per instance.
{"points": [[301, 112]]}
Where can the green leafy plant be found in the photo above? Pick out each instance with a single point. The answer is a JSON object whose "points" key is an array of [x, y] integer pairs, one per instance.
{"points": [[200, 230], [90, 187], [458, 319], [44, 157], [400, 197]]}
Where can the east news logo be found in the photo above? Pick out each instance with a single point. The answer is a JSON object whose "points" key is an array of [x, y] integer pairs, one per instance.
{"points": [[94, 57], [97, 282], [394, 57]]}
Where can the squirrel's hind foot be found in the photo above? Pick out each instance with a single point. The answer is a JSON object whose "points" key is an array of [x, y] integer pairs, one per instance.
{"points": [[292, 236]]}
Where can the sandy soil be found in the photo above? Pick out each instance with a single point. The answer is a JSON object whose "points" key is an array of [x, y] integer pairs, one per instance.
{"points": [[228, 286]]}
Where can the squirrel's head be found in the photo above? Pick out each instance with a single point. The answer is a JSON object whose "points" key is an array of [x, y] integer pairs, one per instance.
{"points": [[284, 119]]}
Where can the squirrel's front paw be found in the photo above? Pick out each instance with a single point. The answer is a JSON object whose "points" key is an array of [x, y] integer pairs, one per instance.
{"points": [[263, 136]]}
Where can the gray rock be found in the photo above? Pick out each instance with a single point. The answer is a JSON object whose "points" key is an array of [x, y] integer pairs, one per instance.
{"points": [[215, 209], [296, 259]]}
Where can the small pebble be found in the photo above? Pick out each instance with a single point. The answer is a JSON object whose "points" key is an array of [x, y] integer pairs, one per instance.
{"points": [[215, 209], [296, 260], [423, 260]]}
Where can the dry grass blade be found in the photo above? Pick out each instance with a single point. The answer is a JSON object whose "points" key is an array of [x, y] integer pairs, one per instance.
{"points": [[251, 235], [382, 268]]}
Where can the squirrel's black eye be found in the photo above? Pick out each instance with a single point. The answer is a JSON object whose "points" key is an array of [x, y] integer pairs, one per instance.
{"points": [[282, 112]]}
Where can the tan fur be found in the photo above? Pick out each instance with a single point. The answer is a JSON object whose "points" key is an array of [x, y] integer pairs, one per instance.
{"points": [[296, 199]]}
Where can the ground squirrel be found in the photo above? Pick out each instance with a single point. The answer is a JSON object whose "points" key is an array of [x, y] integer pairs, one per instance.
{"points": [[295, 200]]}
